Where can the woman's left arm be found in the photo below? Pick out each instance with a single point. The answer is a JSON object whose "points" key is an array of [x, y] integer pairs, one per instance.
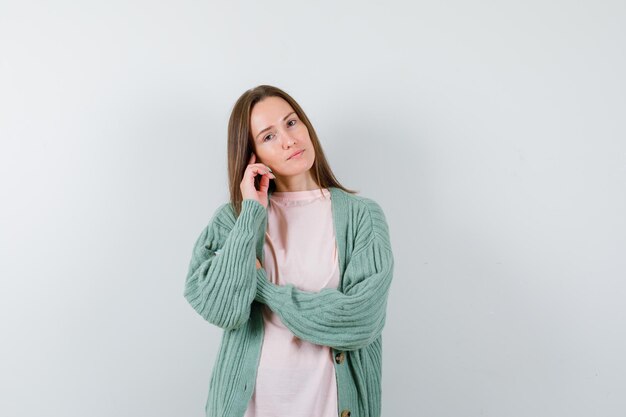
{"points": [[346, 320]]}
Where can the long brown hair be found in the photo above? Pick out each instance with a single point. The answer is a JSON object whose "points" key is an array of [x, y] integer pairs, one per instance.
{"points": [[241, 144]]}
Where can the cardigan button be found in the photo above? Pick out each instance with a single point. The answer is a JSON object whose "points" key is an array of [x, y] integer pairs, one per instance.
{"points": [[345, 413], [339, 357]]}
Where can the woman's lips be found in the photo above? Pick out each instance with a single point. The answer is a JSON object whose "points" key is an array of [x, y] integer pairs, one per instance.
{"points": [[297, 155]]}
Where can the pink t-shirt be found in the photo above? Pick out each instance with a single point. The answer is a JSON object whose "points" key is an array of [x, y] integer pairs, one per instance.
{"points": [[296, 377]]}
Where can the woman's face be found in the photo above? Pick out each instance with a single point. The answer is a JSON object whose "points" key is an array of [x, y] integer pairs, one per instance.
{"points": [[277, 133]]}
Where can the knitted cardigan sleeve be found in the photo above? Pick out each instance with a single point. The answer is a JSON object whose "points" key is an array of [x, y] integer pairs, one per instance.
{"points": [[346, 320], [220, 283]]}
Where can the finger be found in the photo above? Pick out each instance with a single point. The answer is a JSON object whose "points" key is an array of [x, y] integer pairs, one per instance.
{"points": [[264, 184], [260, 164], [251, 173], [263, 168], [259, 169], [256, 169]]}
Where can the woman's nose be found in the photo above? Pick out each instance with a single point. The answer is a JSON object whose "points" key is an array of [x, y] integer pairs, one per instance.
{"points": [[288, 140]]}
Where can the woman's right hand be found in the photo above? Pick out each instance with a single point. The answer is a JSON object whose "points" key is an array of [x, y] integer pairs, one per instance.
{"points": [[248, 190]]}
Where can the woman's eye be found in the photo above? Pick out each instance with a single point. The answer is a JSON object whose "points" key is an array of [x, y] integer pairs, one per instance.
{"points": [[292, 120]]}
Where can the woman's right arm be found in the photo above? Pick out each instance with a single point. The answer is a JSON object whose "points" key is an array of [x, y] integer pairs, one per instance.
{"points": [[221, 286]]}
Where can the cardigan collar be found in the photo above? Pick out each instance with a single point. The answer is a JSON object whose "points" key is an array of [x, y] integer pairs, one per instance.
{"points": [[338, 203]]}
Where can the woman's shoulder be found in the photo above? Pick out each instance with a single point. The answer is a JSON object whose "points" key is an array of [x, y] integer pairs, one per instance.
{"points": [[363, 203], [367, 213]]}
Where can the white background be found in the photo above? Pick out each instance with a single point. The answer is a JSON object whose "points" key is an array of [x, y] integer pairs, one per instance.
{"points": [[491, 133]]}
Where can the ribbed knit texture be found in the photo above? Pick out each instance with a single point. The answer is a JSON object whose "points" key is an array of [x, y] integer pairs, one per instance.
{"points": [[226, 289]]}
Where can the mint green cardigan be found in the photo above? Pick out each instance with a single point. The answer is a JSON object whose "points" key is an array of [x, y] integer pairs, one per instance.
{"points": [[225, 287]]}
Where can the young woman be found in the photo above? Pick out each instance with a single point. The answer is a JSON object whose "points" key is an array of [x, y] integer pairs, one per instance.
{"points": [[296, 269]]}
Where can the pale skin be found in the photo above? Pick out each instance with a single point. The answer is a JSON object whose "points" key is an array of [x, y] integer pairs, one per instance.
{"points": [[277, 133]]}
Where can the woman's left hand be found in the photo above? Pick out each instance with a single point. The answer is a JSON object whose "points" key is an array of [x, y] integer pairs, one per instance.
{"points": [[258, 263]]}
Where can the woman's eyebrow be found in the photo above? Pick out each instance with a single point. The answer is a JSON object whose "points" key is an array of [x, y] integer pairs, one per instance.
{"points": [[268, 128]]}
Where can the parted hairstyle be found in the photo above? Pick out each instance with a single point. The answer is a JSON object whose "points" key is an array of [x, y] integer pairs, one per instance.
{"points": [[241, 144]]}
